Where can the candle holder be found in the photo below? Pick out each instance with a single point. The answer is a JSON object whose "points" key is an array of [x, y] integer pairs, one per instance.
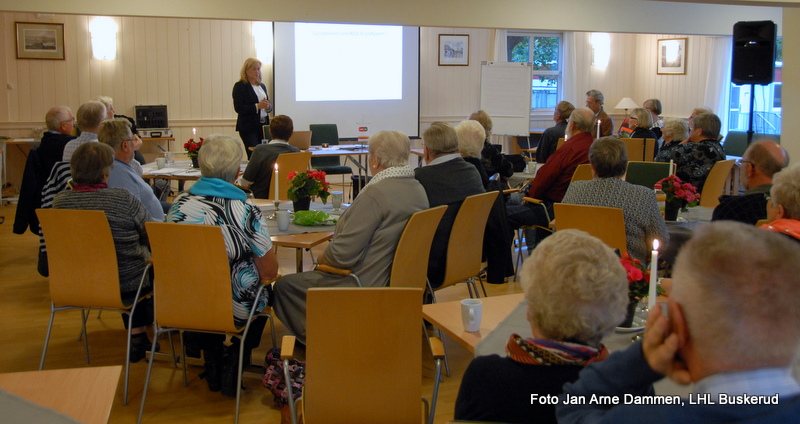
{"points": [[277, 204]]}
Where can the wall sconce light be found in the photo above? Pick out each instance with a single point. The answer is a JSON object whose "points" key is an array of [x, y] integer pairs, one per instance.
{"points": [[601, 49], [262, 40], [104, 38]]}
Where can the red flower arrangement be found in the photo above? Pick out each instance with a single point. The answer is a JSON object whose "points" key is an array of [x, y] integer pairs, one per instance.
{"points": [[192, 147], [678, 192], [307, 184], [638, 278]]}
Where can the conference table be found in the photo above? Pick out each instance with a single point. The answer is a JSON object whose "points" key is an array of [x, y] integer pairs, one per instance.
{"points": [[83, 394]]}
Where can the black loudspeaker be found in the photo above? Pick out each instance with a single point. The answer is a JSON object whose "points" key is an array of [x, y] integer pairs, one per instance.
{"points": [[753, 52]]}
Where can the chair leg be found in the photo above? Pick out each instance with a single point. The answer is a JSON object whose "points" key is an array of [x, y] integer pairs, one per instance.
{"points": [[288, 379], [83, 328], [47, 336], [482, 286], [128, 355], [435, 390], [183, 356], [84, 316], [149, 371]]}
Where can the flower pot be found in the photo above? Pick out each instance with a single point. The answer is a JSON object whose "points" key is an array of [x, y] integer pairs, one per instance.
{"points": [[194, 162], [671, 211], [632, 304], [301, 204]]}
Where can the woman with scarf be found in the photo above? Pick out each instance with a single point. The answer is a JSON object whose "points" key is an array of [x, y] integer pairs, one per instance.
{"points": [[214, 200], [90, 166], [783, 203], [366, 236], [577, 292]]}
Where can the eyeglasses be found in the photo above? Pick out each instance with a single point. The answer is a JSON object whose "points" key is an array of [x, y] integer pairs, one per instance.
{"points": [[741, 162], [634, 118], [68, 121]]}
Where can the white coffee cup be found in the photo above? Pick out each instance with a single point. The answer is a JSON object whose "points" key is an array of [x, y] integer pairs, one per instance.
{"points": [[283, 220], [161, 162], [336, 200], [471, 311]]}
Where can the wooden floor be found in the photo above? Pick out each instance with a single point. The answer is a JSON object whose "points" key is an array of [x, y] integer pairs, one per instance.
{"points": [[24, 313]]}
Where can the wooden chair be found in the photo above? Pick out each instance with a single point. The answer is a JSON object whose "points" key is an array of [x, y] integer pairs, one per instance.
{"points": [[560, 142], [607, 224], [94, 284], [715, 183], [301, 139], [582, 173], [646, 173], [287, 162], [465, 247], [640, 149], [195, 297], [369, 379]]}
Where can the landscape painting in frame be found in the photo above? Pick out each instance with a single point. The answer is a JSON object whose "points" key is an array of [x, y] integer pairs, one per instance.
{"points": [[453, 50], [40, 40], [671, 56]]}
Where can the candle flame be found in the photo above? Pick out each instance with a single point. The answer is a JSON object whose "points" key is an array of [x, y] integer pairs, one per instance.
{"points": [[655, 244], [194, 131], [276, 167]]}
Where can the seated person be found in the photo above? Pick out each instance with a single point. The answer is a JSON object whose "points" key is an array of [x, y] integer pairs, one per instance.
{"points": [[732, 329], [641, 122], [549, 141], [91, 165], [553, 178], [493, 160], [214, 200], [470, 142], [783, 206], [366, 236], [759, 163], [448, 180], [116, 132], [695, 156], [674, 131], [643, 222], [566, 266], [60, 123], [654, 107], [260, 168]]}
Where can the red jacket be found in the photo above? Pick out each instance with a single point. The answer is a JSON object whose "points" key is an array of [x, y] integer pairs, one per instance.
{"points": [[552, 179]]}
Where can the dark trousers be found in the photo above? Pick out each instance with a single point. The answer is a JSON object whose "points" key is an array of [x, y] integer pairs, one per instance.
{"points": [[250, 139]]}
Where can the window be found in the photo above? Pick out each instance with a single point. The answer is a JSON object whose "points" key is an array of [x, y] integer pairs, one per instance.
{"points": [[543, 50], [766, 102]]}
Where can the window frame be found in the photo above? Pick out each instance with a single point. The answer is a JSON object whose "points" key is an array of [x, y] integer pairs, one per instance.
{"points": [[546, 73]]}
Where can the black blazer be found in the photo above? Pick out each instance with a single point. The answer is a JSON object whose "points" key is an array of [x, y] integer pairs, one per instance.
{"points": [[244, 102]]}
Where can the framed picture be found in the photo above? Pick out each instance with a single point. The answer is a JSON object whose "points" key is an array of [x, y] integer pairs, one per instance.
{"points": [[671, 56], [453, 49], [40, 41]]}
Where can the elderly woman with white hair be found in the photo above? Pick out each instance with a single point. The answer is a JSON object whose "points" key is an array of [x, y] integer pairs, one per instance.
{"points": [[214, 200], [783, 204], [470, 143], [674, 131], [577, 292], [366, 236]]}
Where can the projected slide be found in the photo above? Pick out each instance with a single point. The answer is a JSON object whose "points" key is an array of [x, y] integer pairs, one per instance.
{"points": [[363, 78], [367, 62]]}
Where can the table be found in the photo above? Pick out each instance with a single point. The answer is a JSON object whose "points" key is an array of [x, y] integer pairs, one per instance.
{"points": [[85, 394], [447, 317]]}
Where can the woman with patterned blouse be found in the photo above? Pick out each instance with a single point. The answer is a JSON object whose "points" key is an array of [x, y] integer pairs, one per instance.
{"points": [[643, 223], [695, 156], [214, 200]]}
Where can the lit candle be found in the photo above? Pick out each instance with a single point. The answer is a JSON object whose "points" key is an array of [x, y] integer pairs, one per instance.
{"points": [[598, 128], [275, 178], [194, 132], [651, 296]]}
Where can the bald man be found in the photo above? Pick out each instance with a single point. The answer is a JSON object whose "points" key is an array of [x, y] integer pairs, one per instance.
{"points": [[758, 164]]}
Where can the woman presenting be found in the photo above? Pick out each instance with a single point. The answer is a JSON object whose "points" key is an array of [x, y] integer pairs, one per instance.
{"points": [[251, 103]]}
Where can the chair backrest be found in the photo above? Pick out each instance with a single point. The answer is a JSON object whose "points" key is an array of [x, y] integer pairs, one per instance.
{"points": [[301, 139], [324, 133], [607, 224], [265, 130], [92, 282], [410, 264], [560, 142], [465, 247], [368, 379], [582, 173], [715, 183], [735, 143], [287, 162], [646, 173], [640, 149], [191, 294]]}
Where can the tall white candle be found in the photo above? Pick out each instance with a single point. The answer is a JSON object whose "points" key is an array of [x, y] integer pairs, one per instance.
{"points": [[651, 295], [275, 178], [194, 132], [598, 128], [670, 167]]}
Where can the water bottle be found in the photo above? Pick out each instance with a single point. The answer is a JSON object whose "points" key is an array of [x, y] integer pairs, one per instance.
{"points": [[661, 199]]}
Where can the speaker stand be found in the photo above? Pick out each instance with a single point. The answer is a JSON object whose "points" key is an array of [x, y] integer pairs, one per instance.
{"points": [[751, 115]]}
